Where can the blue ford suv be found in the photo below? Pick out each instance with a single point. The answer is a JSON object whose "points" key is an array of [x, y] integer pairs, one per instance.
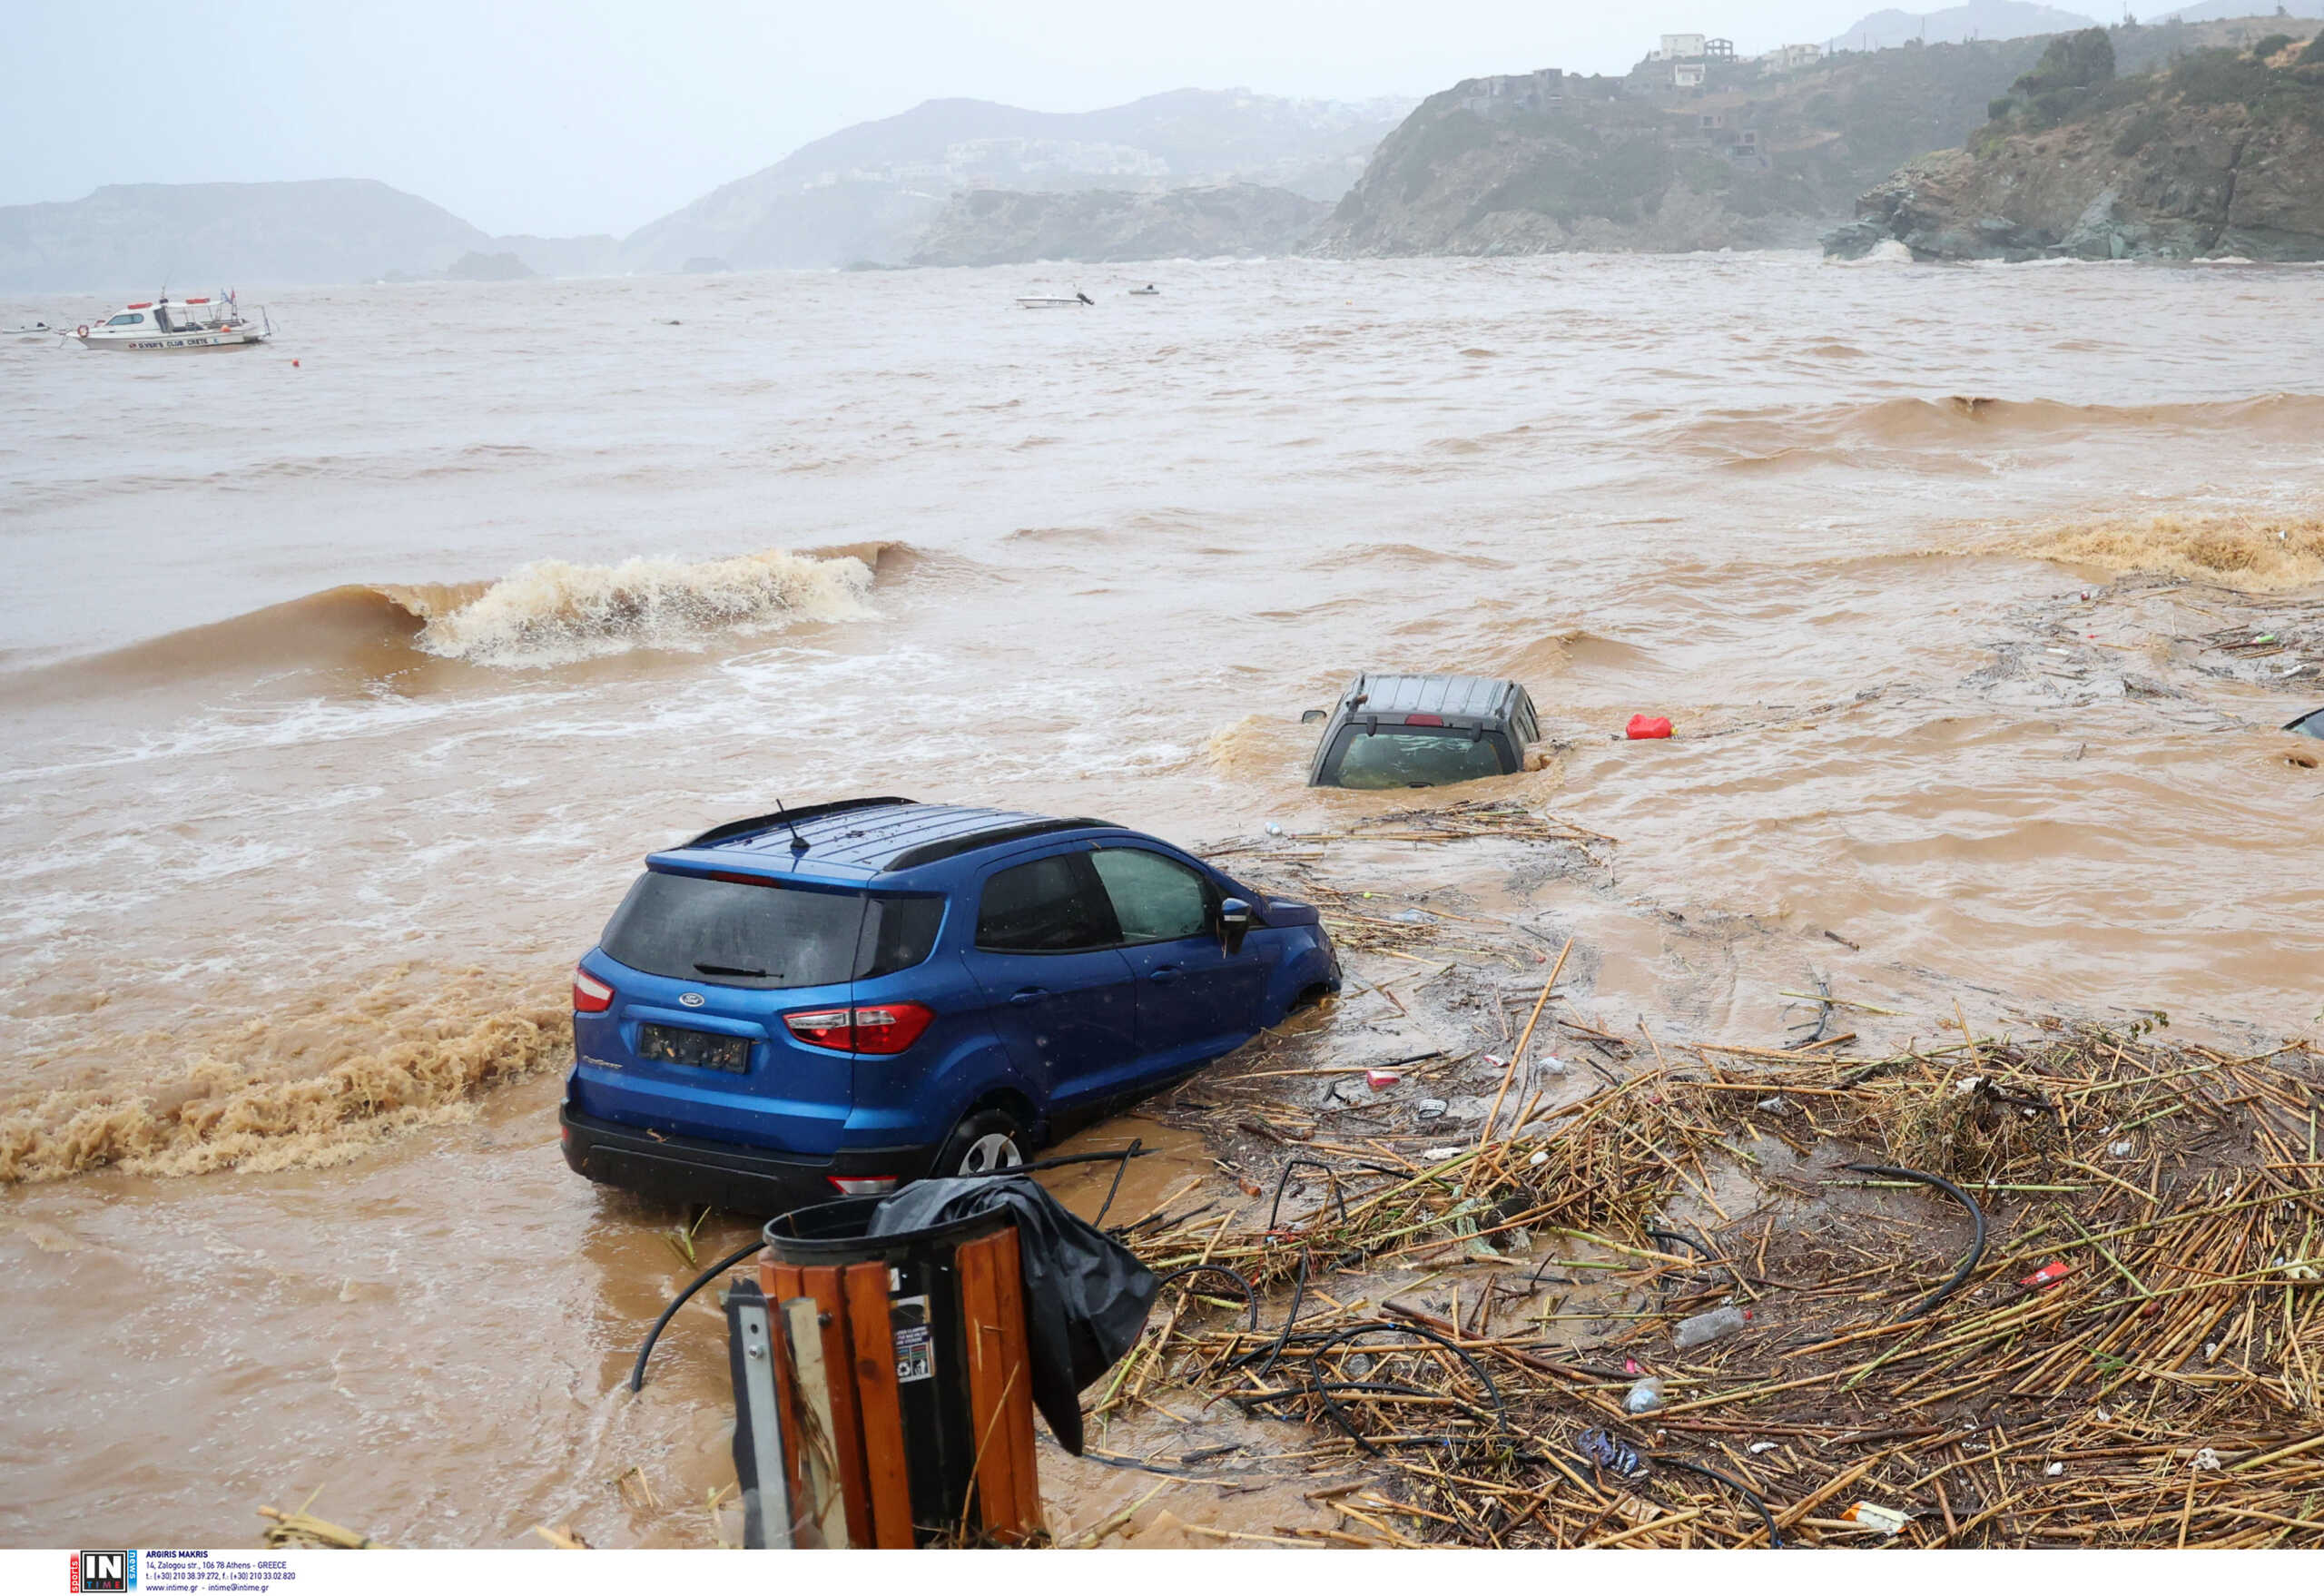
{"points": [[835, 1000]]}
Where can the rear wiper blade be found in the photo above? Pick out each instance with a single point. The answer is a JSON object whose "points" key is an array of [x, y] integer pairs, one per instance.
{"points": [[732, 969]]}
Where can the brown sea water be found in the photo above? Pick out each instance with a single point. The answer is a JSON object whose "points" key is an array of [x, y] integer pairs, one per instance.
{"points": [[342, 700]]}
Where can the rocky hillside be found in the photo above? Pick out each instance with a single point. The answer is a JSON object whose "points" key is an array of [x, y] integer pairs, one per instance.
{"points": [[1547, 161], [2218, 153], [993, 226], [866, 193]]}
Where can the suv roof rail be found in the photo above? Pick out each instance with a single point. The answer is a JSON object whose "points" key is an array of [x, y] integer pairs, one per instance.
{"points": [[952, 847], [758, 822]]}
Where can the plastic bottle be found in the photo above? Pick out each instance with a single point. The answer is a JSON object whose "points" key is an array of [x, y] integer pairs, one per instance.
{"points": [[1712, 1327], [1643, 1397]]}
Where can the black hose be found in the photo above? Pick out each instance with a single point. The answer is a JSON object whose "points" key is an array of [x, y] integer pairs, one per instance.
{"points": [[1250, 1297], [1976, 1243], [1775, 1540], [637, 1375]]}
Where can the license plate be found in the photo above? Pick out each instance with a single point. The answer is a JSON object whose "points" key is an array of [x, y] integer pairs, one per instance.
{"points": [[669, 1044]]}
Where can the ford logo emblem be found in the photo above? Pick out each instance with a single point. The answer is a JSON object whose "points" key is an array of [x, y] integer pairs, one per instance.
{"points": [[691, 999]]}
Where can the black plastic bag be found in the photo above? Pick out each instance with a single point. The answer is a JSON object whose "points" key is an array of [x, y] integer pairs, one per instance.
{"points": [[1086, 1295]]}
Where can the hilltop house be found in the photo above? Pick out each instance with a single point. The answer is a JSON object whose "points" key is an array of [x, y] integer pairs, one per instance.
{"points": [[1791, 57], [1513, 94]]}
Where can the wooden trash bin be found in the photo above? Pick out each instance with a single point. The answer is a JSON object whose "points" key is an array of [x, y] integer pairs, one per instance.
{"points": [[901, 1389]]}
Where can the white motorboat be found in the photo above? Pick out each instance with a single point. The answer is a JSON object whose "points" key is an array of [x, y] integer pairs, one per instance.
{"points": [[157, 327], [1053, 302], [32, 330], [1148, 288]]}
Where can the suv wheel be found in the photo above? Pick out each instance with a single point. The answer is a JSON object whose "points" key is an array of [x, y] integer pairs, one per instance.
{"points": [[988, 1139]]}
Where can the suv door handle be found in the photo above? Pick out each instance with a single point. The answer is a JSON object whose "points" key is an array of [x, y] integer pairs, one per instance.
{"points": [[1024, 995], [1163, 975]]}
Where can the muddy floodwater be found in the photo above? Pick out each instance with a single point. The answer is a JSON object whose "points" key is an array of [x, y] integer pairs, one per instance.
{"points": [[341, 699]]}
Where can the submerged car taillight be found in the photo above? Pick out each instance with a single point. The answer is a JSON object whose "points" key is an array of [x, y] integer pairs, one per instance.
{"points": [[863, 1185], [874, 1028], [590, 995]]}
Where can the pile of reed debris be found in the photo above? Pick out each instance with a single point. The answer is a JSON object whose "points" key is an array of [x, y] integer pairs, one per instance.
{"points": [[2064, 1292]]}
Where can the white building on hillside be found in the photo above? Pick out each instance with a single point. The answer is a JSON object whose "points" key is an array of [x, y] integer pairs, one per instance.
{"points": [[1680, 47]]}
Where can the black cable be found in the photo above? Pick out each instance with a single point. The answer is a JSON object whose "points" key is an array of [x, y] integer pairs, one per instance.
{"points": [[1250, 1297], [1121, 1169], [1132, 1151], [637, 1375], [1298, 1295], [1708, 1255], [1976, 1244], [1377, 1326], [1332, 1183], [1775, 1540]]}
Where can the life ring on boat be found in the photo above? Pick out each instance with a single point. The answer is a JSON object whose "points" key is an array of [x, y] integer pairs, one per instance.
{"points": [[82, 332]]}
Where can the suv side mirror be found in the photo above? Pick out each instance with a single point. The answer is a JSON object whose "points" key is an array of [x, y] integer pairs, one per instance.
{"points": [[1234, 924], [1308, 717]]}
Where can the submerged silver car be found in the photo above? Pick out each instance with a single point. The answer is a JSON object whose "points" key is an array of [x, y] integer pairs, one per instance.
{"points": [[1400, 731]]}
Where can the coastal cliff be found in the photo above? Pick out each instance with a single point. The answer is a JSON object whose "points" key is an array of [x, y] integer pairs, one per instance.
{"points": [[2217, 154], [1552, 160]]}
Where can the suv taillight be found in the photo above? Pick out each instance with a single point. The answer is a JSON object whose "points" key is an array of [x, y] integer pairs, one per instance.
{"points": [[590, 995], [874, 1028], [823, 1027], [890, 1028]]}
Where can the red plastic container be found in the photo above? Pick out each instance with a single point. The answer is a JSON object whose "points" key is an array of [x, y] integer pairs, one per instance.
{"points": [[1643, 726]]}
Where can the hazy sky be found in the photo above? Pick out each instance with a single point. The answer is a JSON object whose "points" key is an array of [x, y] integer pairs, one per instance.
{"points": [[598, 115]]}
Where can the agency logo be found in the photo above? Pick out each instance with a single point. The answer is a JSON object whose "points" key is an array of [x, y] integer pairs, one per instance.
{"points": [[104, 1571]]}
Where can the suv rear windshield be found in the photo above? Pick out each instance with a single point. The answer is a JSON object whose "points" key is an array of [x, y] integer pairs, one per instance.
{"points": [[1414, 759], [742, 935]]}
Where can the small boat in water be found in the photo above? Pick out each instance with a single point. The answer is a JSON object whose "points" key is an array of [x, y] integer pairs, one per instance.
{"points": [[157, 327], [32, 330], [1148, 288], [1053, 302]]}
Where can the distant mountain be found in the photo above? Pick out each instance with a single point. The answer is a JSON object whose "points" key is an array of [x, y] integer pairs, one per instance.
{"points": [[140, 237], [867, 192], [994, 227], [2233, 10], [1978, 19]]}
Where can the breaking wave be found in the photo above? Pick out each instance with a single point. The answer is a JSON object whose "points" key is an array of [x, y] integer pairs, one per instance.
{"points": [[548, 613], [2257, 552], [294, 1090], [553, 612], [1964, 420]]}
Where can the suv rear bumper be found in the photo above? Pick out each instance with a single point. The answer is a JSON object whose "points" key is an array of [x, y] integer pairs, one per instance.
{"points": [[724, 1175]]}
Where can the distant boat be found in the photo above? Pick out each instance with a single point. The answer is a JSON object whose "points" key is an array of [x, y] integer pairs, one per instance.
{"points": [[157, 327], [35, 329], [1053, 302], [1148, 288]]}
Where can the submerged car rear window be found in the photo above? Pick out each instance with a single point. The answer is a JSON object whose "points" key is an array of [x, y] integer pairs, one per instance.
{"points": [[1415, 759], [744, 934]]}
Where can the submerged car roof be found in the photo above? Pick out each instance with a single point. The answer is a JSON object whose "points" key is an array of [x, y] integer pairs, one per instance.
{"points": [[857, 838], [1482, 696]]}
